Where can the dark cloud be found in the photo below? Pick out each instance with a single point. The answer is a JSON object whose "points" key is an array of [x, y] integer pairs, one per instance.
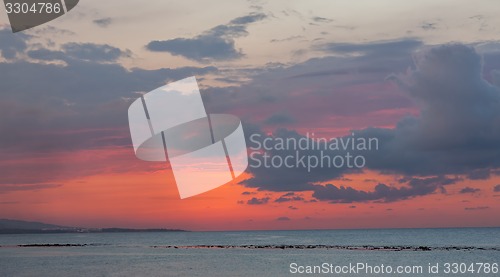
{"points": [[385, 47], [12, 44], [258, 201], [456, 131], [247, 193], [215, 44], [476, 208], [103, 22], [48, 30], [292, 208], [5, 188], [279, 119], [480, 174], [47, 55], [94, 52], [80, 52], [330, 87], [496, 188], [283, 218], [427, 26], [287, 197], [415, 187], [319, 19], [48, 110], [469, 190], [244, 20]]}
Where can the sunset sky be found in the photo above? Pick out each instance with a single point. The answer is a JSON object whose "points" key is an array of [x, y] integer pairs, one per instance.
{"points": [[421, 77]]}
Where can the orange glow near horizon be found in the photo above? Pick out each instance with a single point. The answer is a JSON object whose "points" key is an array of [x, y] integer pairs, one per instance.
{"points": [[149, 199]]}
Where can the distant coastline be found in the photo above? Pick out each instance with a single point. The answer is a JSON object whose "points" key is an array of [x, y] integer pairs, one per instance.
{"points": [[84, 230], [8, 226]]}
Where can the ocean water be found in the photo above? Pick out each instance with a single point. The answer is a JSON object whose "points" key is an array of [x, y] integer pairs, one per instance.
{"points": [[255, 253]]}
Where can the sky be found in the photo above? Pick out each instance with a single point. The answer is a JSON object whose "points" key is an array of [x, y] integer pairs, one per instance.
{"points": [[421, 77]]}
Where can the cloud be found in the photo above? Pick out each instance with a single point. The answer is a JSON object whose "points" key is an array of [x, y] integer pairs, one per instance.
{"points": [[6, 188], [258, 201], [94, 52], [283, 218], [415, 187], [279, 119], [496, 188], [427, 26], [289, 197], [319, 19], [89, 52], [480, 174], [52, 113], [12, 44], [379, 48], [251, 18], [476, 208], [215, 44], [103, 22], [456, 131], [292, 208], [469, 190]]}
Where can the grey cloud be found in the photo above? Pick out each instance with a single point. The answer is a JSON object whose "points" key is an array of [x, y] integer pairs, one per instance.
{"points": [[258, 201], [94, 52], [283, 218], [200, 48], [480, 174], [469, 190], [215, 44], [415, 187], [476, 208], [319, 19], [496, 188], [12, 44], [89, 52], [385, 47], [287, 197], [271, 89], [279, 119], [427, 26], [46, 55], [244, 20], [6, 188], [103, 22], [496, 77], [48, 109], [457, 131]]}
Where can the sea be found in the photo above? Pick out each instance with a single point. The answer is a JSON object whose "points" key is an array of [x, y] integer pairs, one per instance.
{"points": [[372, 252]]}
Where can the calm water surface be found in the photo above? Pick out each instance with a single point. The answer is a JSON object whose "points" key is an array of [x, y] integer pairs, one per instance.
{"points": [[145, 254]]}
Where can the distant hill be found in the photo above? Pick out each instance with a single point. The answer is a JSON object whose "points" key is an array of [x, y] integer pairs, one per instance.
{"points": [[9, 226], [27, 225]]}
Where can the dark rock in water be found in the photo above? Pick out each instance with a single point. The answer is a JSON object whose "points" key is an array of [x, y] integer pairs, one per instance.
{"points": [[334, 247]]}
